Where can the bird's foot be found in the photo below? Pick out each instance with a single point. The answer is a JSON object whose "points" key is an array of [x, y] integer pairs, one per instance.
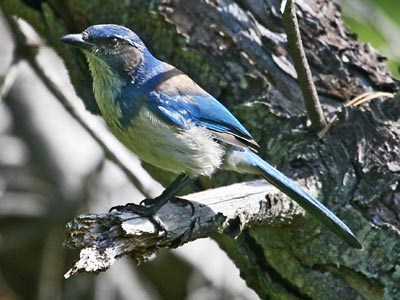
{"points": [[180, 201], [143, 209], [148, 211], [149, 201], [149, 207]]}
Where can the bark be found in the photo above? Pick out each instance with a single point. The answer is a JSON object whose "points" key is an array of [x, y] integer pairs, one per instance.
{"points": [[237, 50], [103, 238]]}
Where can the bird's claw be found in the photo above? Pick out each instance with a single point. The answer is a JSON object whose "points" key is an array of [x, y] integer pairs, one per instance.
{"points": [[149, 207], [183, 202], [117, 208], [149, 202], [142, 210]]}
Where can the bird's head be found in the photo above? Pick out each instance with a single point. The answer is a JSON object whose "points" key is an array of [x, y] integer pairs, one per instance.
{"points": [[118, 47]]}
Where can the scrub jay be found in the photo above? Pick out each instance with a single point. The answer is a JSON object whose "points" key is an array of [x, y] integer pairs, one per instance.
{"points": [[167, 120]]}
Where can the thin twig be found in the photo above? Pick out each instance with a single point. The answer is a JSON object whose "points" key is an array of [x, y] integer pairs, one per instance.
{"points": [[112, 150], [304, 75], [8, 80], [367, 97], [360, 99]]}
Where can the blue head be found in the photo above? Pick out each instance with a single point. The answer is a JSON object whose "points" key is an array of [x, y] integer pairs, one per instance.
{"points": [[118, 47], [118, 60]]}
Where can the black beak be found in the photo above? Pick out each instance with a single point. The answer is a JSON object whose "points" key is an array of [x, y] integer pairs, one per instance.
{"points": [[77, 41]]}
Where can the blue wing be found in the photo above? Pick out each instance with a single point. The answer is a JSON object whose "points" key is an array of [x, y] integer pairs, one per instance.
{"points": [[177, 99]]}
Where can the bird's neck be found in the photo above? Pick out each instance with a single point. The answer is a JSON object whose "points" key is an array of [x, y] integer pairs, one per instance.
{"points": [[107, 86], [147, 69]]}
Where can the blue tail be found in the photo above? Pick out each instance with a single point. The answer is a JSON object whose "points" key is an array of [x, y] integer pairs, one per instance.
{"points": [[305, 200]]}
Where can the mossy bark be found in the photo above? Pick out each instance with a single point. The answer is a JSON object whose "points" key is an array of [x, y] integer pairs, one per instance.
{"points": [[237, 50]]}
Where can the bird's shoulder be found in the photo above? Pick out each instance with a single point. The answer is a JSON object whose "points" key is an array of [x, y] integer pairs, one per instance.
{"points": [[173, 82], [177, 98]]}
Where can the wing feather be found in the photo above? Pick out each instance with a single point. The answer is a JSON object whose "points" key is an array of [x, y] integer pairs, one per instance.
{"points": [[179, 100]]}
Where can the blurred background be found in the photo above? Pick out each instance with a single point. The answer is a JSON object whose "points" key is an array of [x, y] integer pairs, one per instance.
{"points": [[378, 23], [52, 170]]}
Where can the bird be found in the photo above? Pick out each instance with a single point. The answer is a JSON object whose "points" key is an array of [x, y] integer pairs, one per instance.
{"points": [[169, 121]]}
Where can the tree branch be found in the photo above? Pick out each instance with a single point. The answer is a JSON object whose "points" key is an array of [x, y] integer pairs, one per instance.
{"points": [[102, 238], [7, 81], [304, 75]]}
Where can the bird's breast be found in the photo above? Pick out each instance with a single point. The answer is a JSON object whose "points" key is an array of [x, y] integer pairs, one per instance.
{"points": [[192, 151]]}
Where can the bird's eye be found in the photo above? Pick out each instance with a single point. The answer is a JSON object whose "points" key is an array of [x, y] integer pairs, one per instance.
{"points": [[114, 43]]}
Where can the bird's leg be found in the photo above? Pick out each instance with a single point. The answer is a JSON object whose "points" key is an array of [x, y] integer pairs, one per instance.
{"points": [[168, 194], [149, 207]]}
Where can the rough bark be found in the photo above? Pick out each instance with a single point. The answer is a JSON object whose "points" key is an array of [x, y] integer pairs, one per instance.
{"points": [[237, 50]]}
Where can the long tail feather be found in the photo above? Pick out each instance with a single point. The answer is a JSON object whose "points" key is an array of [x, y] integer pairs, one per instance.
{"points": [[305, 200]]}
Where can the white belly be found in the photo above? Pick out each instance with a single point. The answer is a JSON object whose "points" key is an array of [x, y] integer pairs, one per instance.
{"points": [[192, 151]]}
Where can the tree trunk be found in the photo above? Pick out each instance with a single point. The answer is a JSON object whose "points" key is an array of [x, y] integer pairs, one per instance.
{"points": [[237, 51]]}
